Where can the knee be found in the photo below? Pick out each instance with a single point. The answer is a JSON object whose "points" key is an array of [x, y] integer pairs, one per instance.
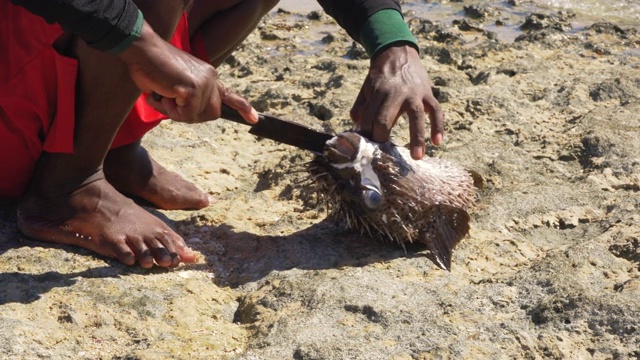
{"points": [[258, 6], [187, 4], [163, 15], [267, 5]]}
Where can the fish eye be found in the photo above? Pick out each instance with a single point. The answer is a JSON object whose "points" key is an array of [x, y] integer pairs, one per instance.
{"points": [[372, 198]]}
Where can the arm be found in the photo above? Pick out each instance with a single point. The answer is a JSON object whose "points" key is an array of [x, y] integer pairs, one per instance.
{"points": [[352, 15], [397, 83], [108, 25], [190, 87]]}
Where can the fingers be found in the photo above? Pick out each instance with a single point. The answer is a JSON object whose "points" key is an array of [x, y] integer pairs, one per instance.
{"points": [[372, 119], [238, 103], [189, 88], [383, 121], [184, 110], [173, 110], [416, 132], [377, 121], [436, 117], [178, 109], [380, 115]]}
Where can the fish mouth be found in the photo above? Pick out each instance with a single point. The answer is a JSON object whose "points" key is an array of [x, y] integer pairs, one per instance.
{"points": [[343, 148], [350, 157]]}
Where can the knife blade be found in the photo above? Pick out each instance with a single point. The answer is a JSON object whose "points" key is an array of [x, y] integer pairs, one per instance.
{"points": [[282, 131], [277, 129]]}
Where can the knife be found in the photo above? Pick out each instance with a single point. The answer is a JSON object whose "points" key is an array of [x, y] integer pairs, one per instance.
{"points": [[282, 131], [279, 130]]}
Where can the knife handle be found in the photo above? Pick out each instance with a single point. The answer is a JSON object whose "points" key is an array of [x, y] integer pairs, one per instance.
{"points": [[226, 112]]}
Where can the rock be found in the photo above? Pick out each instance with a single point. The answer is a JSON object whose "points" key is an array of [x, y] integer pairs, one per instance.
{"points": [[479, 11], [542, 21], [551, 266]]}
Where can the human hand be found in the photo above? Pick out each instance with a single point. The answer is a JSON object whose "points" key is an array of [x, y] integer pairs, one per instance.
{"points": [[396, 84], [188, 88]]}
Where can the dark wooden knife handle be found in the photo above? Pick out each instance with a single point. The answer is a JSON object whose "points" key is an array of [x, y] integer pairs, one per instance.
{"points": [[225, 113]]}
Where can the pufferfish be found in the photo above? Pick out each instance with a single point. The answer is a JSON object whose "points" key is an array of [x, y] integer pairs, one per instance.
{"points": [[380, 191]]}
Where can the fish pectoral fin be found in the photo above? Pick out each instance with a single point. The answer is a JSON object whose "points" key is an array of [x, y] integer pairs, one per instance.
{"points": [[479, 181], [446, 227]]}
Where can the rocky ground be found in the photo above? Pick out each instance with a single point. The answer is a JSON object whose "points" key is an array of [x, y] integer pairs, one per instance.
{"points": [[550, 268]]}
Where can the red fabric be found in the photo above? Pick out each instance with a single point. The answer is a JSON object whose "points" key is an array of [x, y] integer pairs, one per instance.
{"points": [[197, 47], [37, 96]]}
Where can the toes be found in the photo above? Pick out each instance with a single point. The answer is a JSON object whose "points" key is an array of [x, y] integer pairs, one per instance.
{"points": [[186, 254], [175, 259], [109, 224], [123, 252], [204, 201], [145, 259], [162, 256], [151, 249], [142, 253], [163, 250], [175, 248], [187, 198]]}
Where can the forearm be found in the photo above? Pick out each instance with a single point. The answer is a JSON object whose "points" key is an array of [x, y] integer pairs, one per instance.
{"points": [[352, 14], [108, 25], [376, 24]]}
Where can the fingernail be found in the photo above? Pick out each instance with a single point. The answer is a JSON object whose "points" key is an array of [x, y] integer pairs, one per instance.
{"points": [[417, 152], [175, 260], [437, 139], [254, 115]]}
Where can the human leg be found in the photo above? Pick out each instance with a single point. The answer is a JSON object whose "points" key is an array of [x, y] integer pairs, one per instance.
{"points": [[130, 168], [223, 25], [69, 200]]}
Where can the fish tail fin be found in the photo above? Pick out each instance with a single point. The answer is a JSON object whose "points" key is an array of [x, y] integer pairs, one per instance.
{"points": [[447, 226]]}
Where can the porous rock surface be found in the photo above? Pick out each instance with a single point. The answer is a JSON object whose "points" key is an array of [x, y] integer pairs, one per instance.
{"points": [[550, 268]]}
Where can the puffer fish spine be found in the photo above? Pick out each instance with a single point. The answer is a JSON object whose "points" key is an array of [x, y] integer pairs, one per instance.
{"points": [[424, 201]]}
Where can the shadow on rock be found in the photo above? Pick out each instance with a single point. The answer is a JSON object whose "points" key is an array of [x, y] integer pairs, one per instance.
{"points": [[26, 288], [8, 227], [20, 253], [238, 257]]}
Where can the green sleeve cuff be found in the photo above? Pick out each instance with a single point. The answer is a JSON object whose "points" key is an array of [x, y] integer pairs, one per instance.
{"points": [[384, 28], [133, 36]]}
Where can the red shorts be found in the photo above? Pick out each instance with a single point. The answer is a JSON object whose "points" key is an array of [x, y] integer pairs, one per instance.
{"points": [[37, 96]]}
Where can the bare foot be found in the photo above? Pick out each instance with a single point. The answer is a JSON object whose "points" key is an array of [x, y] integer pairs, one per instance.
{"points": [[96, 216], [132, 171]]}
